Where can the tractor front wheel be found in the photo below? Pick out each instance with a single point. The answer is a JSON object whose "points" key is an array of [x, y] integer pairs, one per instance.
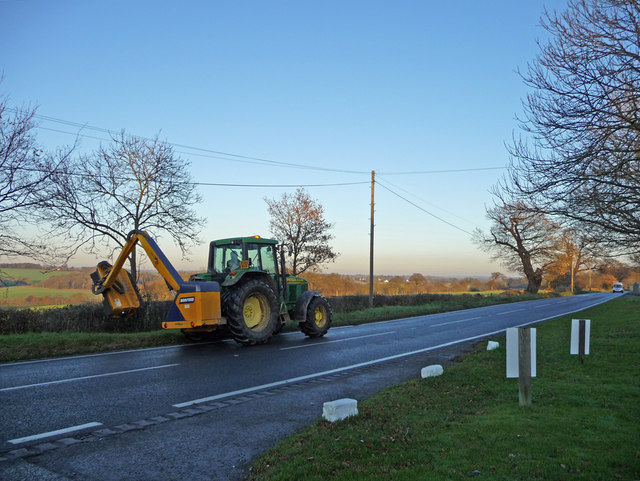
{"points": [[252, 312], [318, 319]]}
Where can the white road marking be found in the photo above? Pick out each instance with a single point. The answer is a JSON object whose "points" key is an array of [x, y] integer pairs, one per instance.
{"points": [[49, 383], [455, 322], [336, 340], [508, 312], [71, 429]]}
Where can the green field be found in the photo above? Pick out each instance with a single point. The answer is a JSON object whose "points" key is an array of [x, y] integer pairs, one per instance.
{"points": [[22, 292], [30, 275]]}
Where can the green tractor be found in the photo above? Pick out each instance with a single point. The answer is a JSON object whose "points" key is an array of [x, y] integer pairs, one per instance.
{"points": [[245, 293], [257, 296]]}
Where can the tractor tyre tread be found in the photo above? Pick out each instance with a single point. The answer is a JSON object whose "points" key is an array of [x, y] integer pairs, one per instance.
{"points": [[233, 307], [309, 326]]}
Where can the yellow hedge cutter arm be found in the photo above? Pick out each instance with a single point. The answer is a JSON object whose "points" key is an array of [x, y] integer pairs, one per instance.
{"points": [[196, 304]]}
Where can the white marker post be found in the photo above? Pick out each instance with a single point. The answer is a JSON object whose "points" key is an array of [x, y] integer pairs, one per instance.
{"points": [[580, 334], [521, 360]]}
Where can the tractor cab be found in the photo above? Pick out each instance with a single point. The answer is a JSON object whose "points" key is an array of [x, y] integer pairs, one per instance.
{"points": [[240, 258], [230, 259]]}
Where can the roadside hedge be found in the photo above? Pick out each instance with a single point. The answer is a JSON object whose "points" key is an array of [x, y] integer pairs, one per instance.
{"points": [[89, 317], [345, 304]]}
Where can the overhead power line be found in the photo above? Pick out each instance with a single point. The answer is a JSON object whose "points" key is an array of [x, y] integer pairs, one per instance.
{"points": [[225, 155], [208, 156], [425, 201], [446, 171], [231, 157], [205, 184], [71, 133], [423, 209], [280, 185]]}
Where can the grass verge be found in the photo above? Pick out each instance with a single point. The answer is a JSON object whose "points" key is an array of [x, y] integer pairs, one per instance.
{"points": [[445, 304], [18, 347], [467, 423]]}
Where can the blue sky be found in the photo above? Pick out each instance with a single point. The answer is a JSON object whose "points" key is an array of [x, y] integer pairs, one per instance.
{"points": [[398, 87]]}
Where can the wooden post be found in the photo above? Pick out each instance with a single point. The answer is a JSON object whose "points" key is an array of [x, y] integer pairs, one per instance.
{"points": [[581, 341], [524, 366]]}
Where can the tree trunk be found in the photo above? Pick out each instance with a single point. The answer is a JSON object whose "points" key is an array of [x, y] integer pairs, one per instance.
{"points": [[534, 283], [534, 276]]}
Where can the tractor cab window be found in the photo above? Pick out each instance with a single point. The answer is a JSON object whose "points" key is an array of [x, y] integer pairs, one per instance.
{"points": [[268, 259], [234, 260], [250, 255], [261, 257], [226, 258]]}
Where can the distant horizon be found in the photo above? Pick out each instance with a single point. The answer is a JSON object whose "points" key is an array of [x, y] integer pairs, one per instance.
{"points": [[7, 265]]}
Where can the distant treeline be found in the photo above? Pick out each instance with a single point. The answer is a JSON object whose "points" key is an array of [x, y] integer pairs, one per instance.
{"points": [[22, 265]]}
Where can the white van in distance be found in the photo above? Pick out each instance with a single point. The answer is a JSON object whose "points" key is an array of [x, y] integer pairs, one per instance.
{"points": [[617, 287]]}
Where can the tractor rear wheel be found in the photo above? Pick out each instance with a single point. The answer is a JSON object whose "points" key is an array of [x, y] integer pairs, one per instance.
{"points": [[252, 312], [318, 319]]}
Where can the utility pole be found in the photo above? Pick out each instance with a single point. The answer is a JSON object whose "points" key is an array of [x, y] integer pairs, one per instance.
{"points": [[373, 183]]}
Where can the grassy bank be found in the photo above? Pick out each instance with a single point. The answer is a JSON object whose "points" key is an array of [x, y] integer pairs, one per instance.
{"points": [[418, 305], [467, 423]]}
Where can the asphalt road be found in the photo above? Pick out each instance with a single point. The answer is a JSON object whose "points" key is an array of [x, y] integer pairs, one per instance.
{"points": [[205, 411]]}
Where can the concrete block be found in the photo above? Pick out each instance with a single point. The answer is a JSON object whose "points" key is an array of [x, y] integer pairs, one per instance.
{"points": [[491, 345], [340, 409], [431, 371]]}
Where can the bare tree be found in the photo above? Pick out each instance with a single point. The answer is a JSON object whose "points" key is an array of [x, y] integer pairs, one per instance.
{"points": [[521, 240], [579, 157], [22, 175], [619, 270], [575, 253], [497, 279], [299, 220], [132, 184]]}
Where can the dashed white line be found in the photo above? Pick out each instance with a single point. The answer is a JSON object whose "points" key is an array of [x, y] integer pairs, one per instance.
{"points": [[508, 312], [50, 383], [49, 434], [324, 343], [455, 322]]}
